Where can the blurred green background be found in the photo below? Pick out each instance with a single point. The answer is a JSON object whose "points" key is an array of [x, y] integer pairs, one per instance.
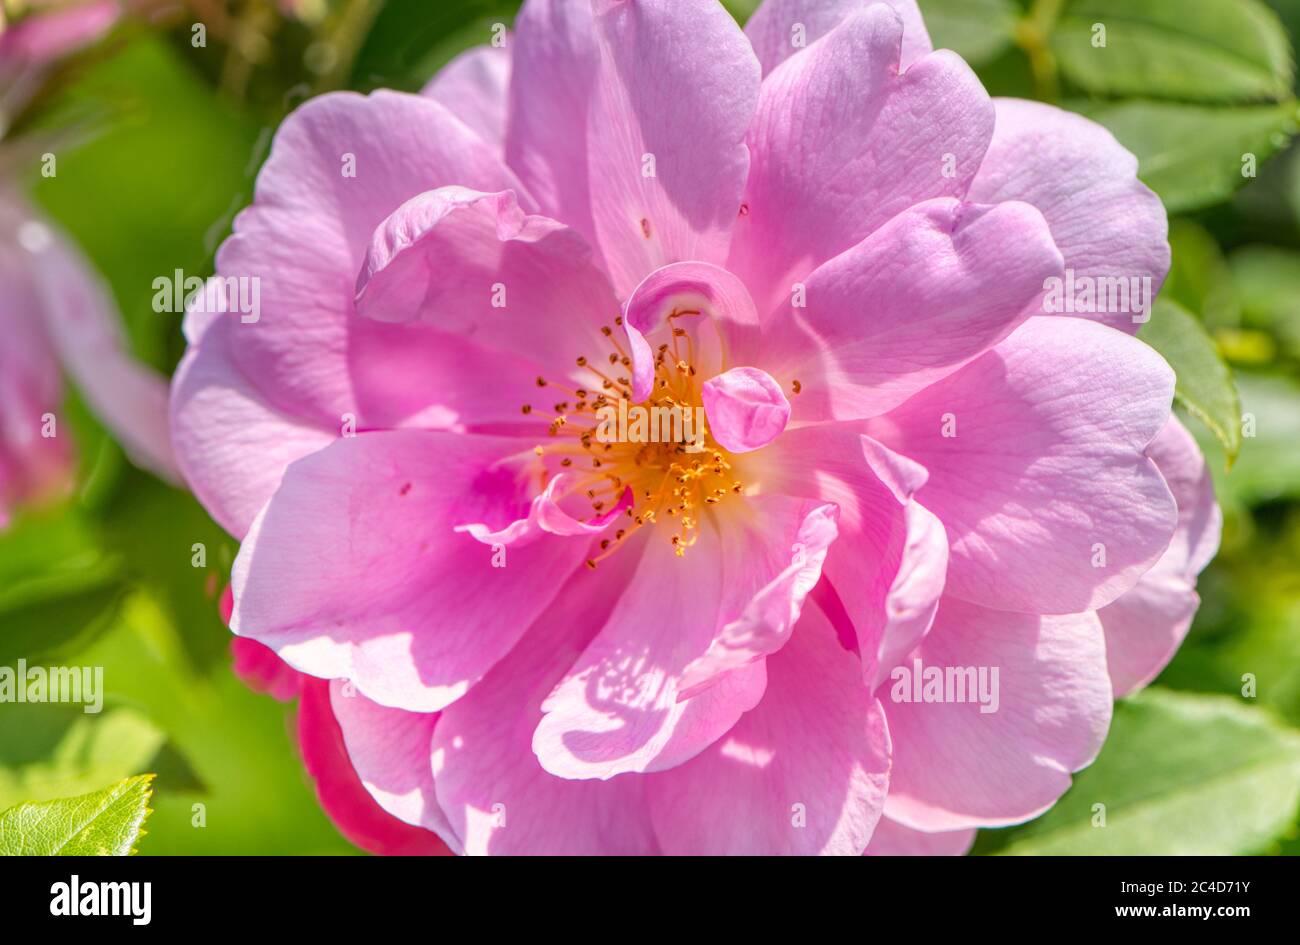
{"points": [[173, 138]]}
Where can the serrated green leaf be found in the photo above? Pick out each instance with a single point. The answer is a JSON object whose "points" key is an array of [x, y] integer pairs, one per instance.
{"points": [[1184, 50], [1179, 775], [977, 30], [1205, 386], [1195, 156], [107, 822]]}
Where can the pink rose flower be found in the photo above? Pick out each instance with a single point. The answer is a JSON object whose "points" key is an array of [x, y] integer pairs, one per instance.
{"points": [[827, 240], [57, 317]]}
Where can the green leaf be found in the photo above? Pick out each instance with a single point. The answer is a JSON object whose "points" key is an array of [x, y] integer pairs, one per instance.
{"points": [[1268, 282], [59, 751], [1268, 468], [169, 174], [1179, 775], [1186, 50], [977, 30], [1199, 278], [1205, 386], [1194, 156], [107, 822]]}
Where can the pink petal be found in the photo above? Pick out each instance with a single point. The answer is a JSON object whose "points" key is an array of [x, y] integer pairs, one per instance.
{"points": [[887, 570], [746, 408], [341, 792], [617, 707], [893, 839], [946, 281], [1107, 223], [725, 330], [49, 34], [1145, 626], [803, 773], [474, 87], [554, 68], [390, 749], [1038, 470], [690, 121], [33, 466], [772, 28], [305, 237], [1200, 520], [261, 670], [355, 569], [219, 420], [76, 313], [842, 142], [475, 264], [767, 621], [956, 766], [497, 796]]}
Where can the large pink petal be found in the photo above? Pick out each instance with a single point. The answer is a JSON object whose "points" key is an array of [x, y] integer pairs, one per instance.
{"points": [[1145, 626], [496, 794], [842, 142], [342, 795], [926, 293], [957, 765], [666, 156], [893, 839], [390, 749], [475, 264], [339, 166], [553, 71], [803, 773], [777, 25], [795, 537], [1107, 223], [1038, 470], [616, 709], [355, 568], [474, 87], [888, 566], [623, 706], [231, 444]]}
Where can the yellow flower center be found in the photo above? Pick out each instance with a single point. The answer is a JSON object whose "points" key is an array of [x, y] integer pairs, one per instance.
{"points": [[616, 447]]}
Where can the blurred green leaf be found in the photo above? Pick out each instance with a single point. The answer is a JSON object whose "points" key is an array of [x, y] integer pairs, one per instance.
{"points": [[977, 30], [1192, 155], [1179, 775], [60, 751], [411, 39], [1185, 50], [1268, 283], [163, 180], [56, 613], [1205, 386], [1199, 278], [235, 743], [742, 10], [1268, 468], [104, 823]]}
